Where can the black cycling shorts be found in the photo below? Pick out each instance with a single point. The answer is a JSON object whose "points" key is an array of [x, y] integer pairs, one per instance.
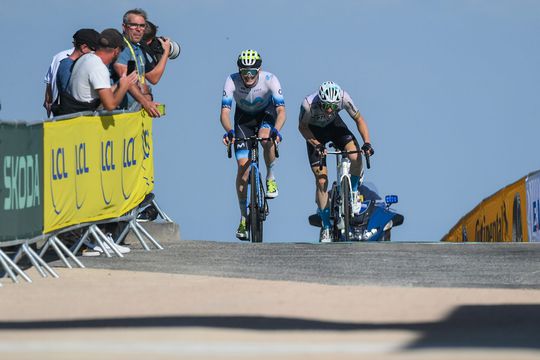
{"points": [[246, 125], [336, 132]]}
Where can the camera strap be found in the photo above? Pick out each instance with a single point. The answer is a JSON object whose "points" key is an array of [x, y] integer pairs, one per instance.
{"points": [[138, 62]]}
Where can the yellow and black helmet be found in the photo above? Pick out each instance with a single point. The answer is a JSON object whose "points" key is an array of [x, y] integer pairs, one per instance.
{"points": [[249, 59]]}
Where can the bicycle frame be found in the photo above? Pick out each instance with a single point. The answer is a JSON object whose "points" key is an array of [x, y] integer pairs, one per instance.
{"points": [[258, 206], [341, 196]]}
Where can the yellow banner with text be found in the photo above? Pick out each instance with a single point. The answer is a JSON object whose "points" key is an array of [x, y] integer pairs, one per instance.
{"points": [[96, 167], [499, 218]]}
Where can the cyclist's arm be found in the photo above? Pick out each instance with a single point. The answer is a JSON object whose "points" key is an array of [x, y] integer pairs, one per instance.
{"points": [[278, 100], [226, 104], [362, 127], [303, 127], [353, 111], [281, 116], [225, 119]]}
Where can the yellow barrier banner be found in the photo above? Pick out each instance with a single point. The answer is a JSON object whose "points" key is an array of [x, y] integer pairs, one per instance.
{"points": [[96, 167], [499, 218]]}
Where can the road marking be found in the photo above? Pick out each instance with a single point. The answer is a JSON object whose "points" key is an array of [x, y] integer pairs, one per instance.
{"points": [[198, 348]]}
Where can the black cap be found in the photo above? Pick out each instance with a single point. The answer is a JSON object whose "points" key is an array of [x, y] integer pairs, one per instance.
{"points": [[111, 38], [86, 36]]}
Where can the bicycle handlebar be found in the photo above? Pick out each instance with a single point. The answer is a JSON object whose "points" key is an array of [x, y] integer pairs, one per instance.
{"points": [[343, 152]]}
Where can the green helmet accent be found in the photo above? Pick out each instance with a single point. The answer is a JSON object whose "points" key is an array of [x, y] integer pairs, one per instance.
{"points": [[249, 58]]}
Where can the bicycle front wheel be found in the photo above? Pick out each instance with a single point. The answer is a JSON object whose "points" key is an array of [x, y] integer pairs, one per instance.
{"points": [[255, 221], [347, 208]]}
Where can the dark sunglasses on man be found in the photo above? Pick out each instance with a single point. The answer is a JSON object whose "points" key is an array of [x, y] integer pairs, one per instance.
{"points": [[135, 25], [327, 106], [252, 72]]}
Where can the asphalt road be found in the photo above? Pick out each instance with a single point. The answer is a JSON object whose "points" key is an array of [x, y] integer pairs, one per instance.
{"points": [[510, 265], [223, 300]]}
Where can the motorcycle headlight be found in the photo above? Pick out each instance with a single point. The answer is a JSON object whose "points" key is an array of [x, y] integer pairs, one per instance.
{"points": [[388, 225]]}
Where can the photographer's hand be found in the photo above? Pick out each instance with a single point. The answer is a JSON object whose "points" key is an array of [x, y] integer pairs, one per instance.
{"points": [[166, 44]]}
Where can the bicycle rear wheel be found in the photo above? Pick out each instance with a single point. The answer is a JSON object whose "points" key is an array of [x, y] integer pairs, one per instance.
{"points": [[255, 222], [347, 208], [334, 212]]}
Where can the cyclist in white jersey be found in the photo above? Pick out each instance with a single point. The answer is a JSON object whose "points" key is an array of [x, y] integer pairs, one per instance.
{"points": [[260, 109], [319, 124]]}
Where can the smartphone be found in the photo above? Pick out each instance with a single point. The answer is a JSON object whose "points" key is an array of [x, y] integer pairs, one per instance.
{"points": [[130, 66]]}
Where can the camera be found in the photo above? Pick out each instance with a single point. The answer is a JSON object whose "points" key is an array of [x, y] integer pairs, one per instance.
{"points": [[157, 49]]}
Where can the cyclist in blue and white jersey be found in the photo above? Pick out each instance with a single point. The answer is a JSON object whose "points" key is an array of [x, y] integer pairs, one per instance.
{"points": [[259, 108], [319, 124]]}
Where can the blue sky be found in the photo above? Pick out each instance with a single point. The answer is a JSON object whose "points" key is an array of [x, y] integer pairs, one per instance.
{"points": [[449, 90]]}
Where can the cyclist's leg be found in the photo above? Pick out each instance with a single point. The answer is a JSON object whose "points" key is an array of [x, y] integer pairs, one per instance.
{"points": [[268, 147], [345, 140], [356, 164], [243, 127], [267, 121], [320, 174], [321, 192], [241, 184]]}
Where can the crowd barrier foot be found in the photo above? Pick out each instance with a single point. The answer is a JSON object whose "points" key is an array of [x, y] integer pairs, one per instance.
{"points": [[137, 229], [36, 261], [9, 265], [161, 212], [103, 239], [60, 249]]}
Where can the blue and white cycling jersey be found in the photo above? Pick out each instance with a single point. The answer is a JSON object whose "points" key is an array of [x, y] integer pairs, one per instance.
{"points": [[266, 93]]}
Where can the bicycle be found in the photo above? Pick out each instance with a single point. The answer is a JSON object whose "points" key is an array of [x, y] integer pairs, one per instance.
{"points": [[258, 206], [341, 196]]}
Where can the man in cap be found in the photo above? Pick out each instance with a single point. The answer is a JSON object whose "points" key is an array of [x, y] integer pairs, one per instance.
{"points": [[84, 41], [89, 85]]}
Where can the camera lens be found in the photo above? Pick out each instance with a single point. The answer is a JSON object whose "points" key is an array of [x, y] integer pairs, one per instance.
{"points": [[175, 49]]}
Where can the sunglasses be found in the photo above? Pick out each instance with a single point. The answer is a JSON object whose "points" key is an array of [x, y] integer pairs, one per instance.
{"points": [[327, 106], [135, 25], [249, 72]]}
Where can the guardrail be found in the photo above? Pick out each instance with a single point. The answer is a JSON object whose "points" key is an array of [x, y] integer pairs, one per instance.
{"points": [[73, 173]]}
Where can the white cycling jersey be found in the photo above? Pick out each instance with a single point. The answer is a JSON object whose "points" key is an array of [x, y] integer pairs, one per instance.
{"points": [[267, 92], [312, 113]]}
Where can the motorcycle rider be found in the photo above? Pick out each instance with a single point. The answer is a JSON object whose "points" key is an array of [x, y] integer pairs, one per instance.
{"points": [[319, 124]]}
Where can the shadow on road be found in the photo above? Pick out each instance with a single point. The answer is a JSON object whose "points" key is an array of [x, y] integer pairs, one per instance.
{"points": [[499, 326]]}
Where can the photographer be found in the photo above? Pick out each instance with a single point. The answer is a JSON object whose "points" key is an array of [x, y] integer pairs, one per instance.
{"points": [[134, 23], [157, 52]]}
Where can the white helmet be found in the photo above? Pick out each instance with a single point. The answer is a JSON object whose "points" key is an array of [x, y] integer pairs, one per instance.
{"points": [[329, 93], [249, 58]]}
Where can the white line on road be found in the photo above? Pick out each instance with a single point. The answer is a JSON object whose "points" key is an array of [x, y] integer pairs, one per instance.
{"points": [[198, 348]]}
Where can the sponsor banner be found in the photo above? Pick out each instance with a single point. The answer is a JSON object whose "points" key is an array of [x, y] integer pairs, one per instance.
{"points": [[501, 217], [533, 206], [96, 167], [21, 186]]}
